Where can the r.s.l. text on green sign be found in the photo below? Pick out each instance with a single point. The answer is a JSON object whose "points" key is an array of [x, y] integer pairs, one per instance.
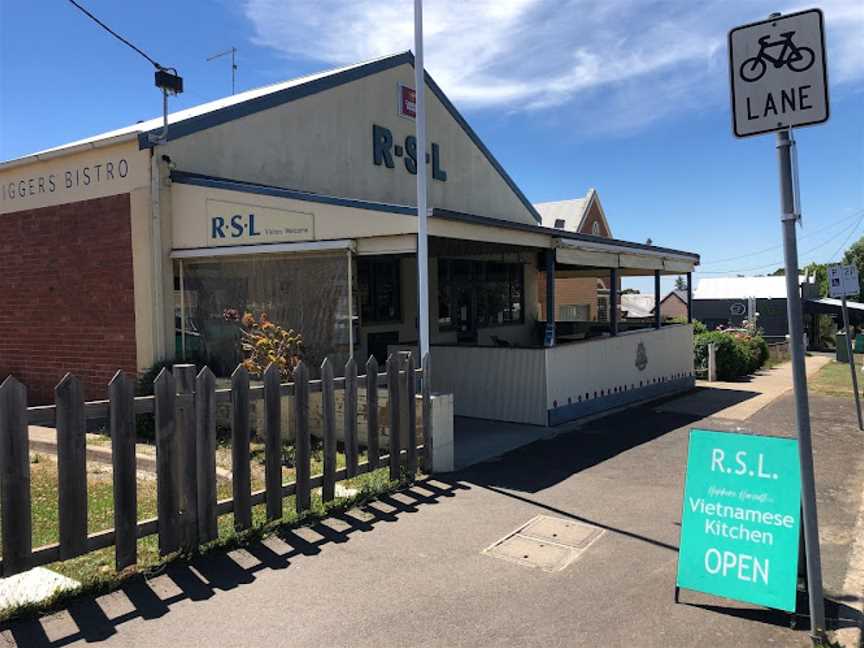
{"points": [[739, 527]]}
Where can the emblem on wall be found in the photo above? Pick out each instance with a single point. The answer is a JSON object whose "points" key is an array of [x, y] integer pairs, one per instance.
{"points": [[738, 308], [641, 357]]}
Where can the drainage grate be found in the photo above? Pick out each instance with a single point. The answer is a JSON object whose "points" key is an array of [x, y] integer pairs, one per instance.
{"points": [[546, 542]]}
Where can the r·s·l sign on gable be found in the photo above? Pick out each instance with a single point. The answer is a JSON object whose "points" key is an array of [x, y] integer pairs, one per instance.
{"points": [[384, 150]]}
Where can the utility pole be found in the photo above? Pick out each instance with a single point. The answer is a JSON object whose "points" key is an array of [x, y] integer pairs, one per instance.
{"points": [[234, 73]]}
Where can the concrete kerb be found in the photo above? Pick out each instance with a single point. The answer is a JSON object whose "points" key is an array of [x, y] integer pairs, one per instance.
{"points": [[44, 439]]}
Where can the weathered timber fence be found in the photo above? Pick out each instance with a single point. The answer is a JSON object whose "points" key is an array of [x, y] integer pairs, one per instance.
{"points": [[184, 408]]}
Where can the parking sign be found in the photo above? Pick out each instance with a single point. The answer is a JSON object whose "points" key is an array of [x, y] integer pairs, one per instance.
{"points": [[843, 281], [778, 73]]}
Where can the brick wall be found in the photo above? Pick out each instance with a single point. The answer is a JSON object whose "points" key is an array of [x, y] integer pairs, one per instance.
{"points": [[568, 291], [66, 295]]}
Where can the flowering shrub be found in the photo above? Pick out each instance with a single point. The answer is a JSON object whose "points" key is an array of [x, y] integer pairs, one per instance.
{"points": [[738, 353], [264, 343]]}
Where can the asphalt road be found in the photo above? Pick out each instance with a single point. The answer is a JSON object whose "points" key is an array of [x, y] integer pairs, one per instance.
{"points": [[409, 570]]}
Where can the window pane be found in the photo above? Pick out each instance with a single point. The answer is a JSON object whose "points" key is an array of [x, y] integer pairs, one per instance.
{"points": [[378, 281], [445, 295], [304, 293], [516, 293]]}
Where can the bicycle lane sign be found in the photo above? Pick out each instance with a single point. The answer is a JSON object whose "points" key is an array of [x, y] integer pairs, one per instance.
{"points": [[778, 73]]}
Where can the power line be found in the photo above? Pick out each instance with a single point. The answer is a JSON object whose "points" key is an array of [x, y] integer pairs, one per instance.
{"points": [[773, 247], [834, 256], [776, 264], [116, 35]]}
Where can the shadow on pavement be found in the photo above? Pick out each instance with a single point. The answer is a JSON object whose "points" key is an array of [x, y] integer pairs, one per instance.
{"points": [[838, 615], [94, 618], [547, 462]]}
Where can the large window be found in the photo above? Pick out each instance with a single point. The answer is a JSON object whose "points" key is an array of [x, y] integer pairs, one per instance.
{"points": [[378, 282], [306, 292], [473, 294]]}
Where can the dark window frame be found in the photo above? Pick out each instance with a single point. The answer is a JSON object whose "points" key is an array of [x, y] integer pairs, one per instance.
{"points": [[370, 311], [515, 273]]}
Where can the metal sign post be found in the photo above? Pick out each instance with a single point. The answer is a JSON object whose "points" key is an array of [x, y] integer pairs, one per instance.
{"points": [[843, 282], [779, 80], [422, 213], [851, 362], [799, 381]]}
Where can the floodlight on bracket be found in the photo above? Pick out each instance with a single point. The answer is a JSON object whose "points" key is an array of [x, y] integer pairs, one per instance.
{"points": [[170, 83]]}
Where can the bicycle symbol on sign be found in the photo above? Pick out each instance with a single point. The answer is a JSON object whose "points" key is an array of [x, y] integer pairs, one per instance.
{"points": [[795, 58]]}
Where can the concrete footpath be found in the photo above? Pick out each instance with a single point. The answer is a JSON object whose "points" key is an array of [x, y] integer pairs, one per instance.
{"points": [[416, 569], [741, 399]]}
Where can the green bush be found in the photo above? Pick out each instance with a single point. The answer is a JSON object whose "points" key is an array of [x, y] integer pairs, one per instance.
{"points": [[699, 327], [737, 356], [733, 359]]}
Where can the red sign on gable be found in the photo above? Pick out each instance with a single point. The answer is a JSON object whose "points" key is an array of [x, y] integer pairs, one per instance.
{"points": [[407, 102]]}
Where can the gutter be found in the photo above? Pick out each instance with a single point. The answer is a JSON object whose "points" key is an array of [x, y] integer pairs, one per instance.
{"points": [[51, 154]]}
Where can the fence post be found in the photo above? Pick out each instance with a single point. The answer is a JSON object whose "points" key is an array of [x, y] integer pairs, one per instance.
{"points": [[167, 462], [328, 410], [712, 362], [205, 422], [349, 404], [121, 395], [273, 442], [427, 413], [241, 480], [393, 410], [184, 374], [372, 412], [302, 495], [71, 467], [15, 478], [411, 398]]}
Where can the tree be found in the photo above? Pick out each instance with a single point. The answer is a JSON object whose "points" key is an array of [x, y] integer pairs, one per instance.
{"points": [[680, 284], [855, 256], [629, 291], [820, 273], [779, 272]]}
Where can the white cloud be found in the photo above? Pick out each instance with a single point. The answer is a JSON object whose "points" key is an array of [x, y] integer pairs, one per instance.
{"points": [[630, 61]]}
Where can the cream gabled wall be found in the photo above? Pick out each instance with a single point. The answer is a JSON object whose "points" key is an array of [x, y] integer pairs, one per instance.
{"points": [[323, 144]]}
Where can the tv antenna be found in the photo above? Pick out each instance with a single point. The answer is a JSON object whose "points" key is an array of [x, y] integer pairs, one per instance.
{"points": [[233, 53]]}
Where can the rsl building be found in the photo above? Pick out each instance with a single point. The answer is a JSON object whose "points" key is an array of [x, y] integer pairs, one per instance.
{"points": [[297, 200]]}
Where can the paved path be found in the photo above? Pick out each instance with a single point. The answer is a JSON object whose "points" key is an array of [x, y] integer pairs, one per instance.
{"points": [[410, 570], [738, 401]]}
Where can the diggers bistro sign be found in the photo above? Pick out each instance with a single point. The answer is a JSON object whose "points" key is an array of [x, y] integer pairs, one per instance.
{"points": [[93, 174]]}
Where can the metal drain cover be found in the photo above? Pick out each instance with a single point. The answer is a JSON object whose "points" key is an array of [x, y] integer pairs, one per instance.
{"points": [[546, 542], [565, 532]]}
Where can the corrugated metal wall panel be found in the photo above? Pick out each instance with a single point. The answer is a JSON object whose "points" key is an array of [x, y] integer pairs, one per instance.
{"points": [[493, 383]]}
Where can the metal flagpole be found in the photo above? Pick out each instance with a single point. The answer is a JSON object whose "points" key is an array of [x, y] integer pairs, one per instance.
{"points": [[852, 362], [422, 214], [789, 216]]}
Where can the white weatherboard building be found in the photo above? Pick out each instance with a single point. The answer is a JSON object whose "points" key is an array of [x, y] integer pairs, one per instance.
{"points": [[296, 200]]}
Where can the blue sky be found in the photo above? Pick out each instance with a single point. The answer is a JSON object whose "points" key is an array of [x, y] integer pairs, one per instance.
{"points": [[627, 96]]}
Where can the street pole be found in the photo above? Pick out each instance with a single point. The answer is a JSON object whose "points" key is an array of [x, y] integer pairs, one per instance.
{"points": [[422, 214], [852, 363], [789, 217]]}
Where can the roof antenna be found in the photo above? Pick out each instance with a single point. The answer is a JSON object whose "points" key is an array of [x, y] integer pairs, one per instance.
{"points": [[234, 73]]}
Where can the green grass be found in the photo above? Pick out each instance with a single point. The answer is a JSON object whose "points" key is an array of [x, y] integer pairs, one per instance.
{"points": [[835, 379], [95, 570]]}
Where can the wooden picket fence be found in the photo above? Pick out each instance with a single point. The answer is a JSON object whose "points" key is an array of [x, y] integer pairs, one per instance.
{"points": [[184, 407]]}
